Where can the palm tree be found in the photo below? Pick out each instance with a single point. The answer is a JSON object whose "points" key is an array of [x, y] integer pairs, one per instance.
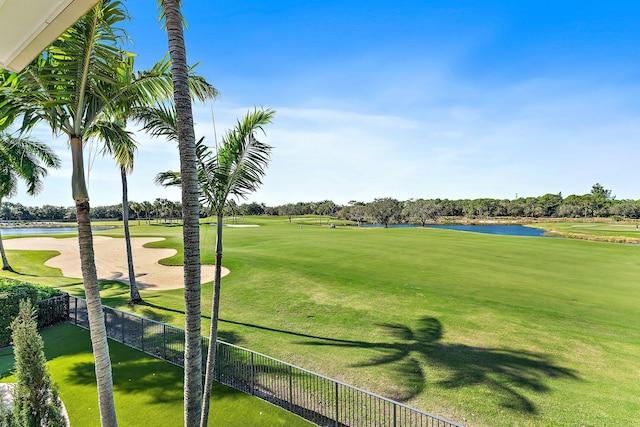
{"points": [[21, 158], [136, 207], [190, 213], [73, 86], [122, 147], [148, 208], [159, 208], [236, 169]]}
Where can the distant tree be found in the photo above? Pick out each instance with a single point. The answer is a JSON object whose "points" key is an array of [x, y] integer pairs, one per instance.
{"points": [[326, 207], [570, 211], [136, 208], [385, 210], [287, 210], [600, 200], [467, 208], [583, 202], [516, 208], [449, 207], [253, 209], [626, 209], [356, 212], [484, 207], [270, 210], [303, 208], [148, 210], [160, 208], [549, 204], [422, 210], [52, 213], [231, 210]]}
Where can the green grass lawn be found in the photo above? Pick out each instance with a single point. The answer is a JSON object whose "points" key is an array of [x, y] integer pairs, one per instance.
{"points": [[146, 390], [484, 330], [622, 232]]}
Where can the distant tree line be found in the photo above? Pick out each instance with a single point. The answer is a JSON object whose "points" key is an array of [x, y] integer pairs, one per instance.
{"points": [[598, 203], [163, 210]]}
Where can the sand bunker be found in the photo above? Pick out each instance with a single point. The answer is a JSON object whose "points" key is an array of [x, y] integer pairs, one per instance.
{"points": [[111, 260]]}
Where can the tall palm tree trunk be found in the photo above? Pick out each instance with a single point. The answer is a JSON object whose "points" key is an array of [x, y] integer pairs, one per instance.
{"points": [[96, 317], [5, 261], [190, 206], [213, 331], [97, 327], [134, 295]]}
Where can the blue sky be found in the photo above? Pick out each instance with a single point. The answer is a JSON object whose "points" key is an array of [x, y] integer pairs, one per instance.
{"points": [[404, 99]]}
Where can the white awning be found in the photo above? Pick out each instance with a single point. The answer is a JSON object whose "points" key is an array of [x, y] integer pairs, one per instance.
{"points": [[27, 27]]}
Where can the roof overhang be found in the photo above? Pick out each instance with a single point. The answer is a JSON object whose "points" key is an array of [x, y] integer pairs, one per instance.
{"points": [[27, 27]]}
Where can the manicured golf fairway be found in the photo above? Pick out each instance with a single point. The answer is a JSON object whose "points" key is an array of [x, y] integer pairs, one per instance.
{"points": [[484, 330]]}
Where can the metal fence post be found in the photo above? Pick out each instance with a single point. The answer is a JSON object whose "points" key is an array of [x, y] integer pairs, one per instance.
{"points": [[337, 406], [218, 361], [142, 333], [394, 415], [290, 388], [122, 326], [253, 375], [164, 342]]}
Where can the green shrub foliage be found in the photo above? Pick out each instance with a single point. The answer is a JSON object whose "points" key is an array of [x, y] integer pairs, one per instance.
{"points": [[7, 419], [35, 398], [11, 293]]}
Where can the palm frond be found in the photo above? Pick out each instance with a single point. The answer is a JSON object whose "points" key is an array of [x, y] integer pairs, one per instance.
{"points": [[118, 142], [72, 83], [158, 120], [242, 160], [24, 158], [168, 179]]}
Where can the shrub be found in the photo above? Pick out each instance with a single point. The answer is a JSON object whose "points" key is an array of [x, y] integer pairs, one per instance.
{"points": [[11, 293], [43, 292], [35, 398], [7, 419]]}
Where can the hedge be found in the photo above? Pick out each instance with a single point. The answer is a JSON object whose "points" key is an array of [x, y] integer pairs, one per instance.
{"points": [[12, 291]]}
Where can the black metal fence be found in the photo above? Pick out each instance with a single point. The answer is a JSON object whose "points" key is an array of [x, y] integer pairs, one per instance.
{"points": [[53, 310], [319, 399]]}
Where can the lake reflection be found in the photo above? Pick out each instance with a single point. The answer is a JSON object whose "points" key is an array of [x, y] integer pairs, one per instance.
{"points": [[46, 230], [502, 229]]}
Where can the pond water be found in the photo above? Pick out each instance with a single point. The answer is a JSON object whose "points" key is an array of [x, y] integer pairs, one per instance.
{"points": [[502, 229], [46, 230]]}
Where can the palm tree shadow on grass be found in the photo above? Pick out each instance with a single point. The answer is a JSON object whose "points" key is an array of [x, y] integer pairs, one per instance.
{"points": [[153, 378], [505, 371], [156, 380]]}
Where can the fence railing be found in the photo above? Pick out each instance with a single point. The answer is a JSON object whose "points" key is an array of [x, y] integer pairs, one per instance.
{"points": [[322, 400], [53, 310]]}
